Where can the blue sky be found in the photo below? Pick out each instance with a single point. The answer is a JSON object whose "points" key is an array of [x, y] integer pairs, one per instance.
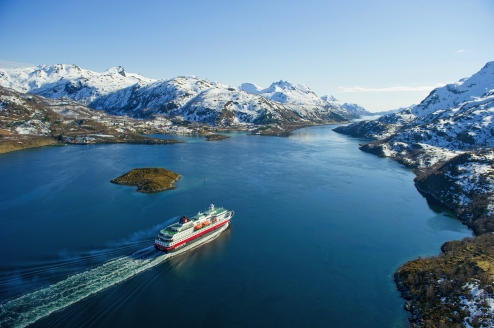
{"points": [[358, 51]]}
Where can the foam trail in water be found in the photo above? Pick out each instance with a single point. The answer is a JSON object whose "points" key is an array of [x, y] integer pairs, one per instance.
{"points": [[28, 308], [27, 279]]}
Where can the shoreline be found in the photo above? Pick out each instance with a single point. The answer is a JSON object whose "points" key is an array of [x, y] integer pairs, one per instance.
{"points": [[15, 142], [427, 299], [8, 144]]}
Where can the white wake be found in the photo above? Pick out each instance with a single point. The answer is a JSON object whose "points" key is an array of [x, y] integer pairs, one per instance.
{"points": [[28, 308]]}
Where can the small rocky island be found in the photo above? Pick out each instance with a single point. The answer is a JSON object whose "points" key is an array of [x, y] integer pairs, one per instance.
{"points": [[213, 137], [149, 180]]}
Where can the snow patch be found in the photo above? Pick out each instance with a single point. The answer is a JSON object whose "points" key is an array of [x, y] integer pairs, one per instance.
{"points": [[479, 303]]}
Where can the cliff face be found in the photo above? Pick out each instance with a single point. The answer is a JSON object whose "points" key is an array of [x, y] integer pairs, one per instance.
{"points": [[465, 184]]}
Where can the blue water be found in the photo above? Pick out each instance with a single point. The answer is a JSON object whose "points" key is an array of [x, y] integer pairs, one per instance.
{"points": [[319, 229]]}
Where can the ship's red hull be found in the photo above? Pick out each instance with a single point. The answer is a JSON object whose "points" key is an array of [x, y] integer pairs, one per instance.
{"points": [[190, 240]]}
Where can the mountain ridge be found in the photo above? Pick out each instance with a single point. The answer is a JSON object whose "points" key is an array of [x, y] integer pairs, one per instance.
{"points": [[187, 97]]}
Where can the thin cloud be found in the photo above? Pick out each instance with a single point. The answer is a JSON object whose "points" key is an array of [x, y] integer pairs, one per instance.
{"points": [[390, 89], [11, 64], [460, 51]]}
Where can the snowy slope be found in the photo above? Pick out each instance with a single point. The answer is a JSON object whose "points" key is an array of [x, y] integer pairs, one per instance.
{"points": [[354, 110], [456, 117], [22, 115], [452, 95], [424, 141], [71, 81], [200, 100], [208, 102], [286, 92], [468, 126], [381, 128], [299, 98], [163, 97], [231, 106], [251, 88]]}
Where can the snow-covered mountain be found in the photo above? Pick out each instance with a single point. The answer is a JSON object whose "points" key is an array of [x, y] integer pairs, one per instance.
{"points": [[71, 81], [353, 109], [164, 96], [303, 99], [286, 92], [209, 102], [456, 117], [380, 128], [191, 98], [194, 99], [452, 95], [356, 109]]}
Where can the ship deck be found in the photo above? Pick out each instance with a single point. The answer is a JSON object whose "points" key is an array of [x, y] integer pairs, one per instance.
{"points": [[216, 211]]}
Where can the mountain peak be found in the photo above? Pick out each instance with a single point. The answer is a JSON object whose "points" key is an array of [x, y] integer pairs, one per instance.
{"points": [[454, 94], [116, 70], [282, 84], [487, 69], [329, 98], [251, 88]]}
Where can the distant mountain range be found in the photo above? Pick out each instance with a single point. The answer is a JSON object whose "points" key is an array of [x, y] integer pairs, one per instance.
{"points": [[392, 111], [185, 97]]}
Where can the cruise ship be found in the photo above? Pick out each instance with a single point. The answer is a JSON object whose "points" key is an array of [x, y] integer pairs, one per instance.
{"points": [[188, 231]]}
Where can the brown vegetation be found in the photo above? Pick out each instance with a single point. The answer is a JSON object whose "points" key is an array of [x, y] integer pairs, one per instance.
{"points": [[433, 285], [149, 180], [18, 142]]}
